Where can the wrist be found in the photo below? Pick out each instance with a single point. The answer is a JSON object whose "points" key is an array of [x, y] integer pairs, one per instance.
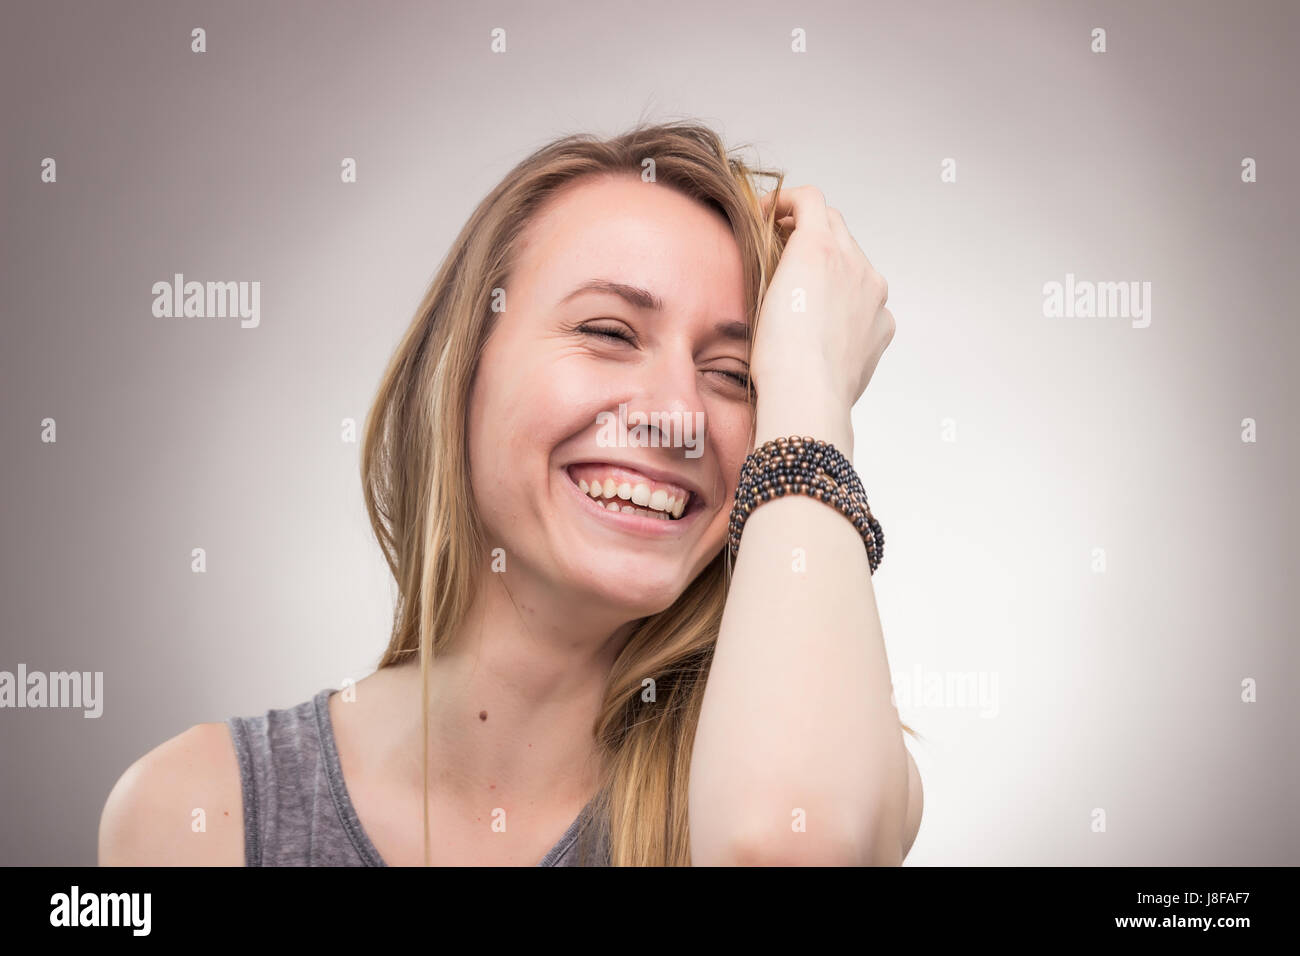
{"points": [[786, 411]]}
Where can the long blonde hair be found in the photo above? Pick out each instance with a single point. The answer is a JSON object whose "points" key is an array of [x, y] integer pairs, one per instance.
{"points": [[415, 476]]}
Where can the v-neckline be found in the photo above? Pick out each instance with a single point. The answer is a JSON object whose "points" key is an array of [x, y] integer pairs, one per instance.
{"points": [[348, 813]]}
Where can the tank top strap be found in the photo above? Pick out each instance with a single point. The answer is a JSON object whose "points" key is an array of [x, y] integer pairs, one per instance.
{"points": [[296, 811]]}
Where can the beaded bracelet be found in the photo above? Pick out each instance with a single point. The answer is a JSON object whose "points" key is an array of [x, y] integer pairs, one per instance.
{"points": [[805, 466]]}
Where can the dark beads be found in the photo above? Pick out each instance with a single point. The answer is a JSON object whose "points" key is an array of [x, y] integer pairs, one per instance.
{"points": [[804, 466]]}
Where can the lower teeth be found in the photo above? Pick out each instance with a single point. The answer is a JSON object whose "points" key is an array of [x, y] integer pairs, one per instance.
{"points": [[629, 509]]}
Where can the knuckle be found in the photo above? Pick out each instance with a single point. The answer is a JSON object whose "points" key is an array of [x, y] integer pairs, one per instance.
{"points": [[881, 285], [812, 192]]}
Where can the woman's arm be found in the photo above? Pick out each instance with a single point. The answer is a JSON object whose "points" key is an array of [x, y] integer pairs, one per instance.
{"points": [[799, 757]]}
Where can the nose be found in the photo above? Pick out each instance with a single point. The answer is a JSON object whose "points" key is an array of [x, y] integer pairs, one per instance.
{"points": [[664, 399]]}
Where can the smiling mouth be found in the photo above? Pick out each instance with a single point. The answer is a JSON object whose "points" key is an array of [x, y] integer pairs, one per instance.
{"points": [[627, 492]]}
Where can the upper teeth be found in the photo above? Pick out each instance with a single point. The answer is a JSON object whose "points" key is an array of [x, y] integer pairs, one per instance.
{"points": [[665, 500]]}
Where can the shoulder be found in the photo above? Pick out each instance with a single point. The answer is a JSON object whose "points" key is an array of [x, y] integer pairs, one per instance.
{"points": [[915, 804], [178, 805]]}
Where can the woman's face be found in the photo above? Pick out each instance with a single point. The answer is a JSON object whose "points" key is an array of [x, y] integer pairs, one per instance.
{"points": [[567, 372]]}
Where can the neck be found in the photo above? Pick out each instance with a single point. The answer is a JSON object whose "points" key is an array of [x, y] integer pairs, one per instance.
{"points": [[513, 698]]}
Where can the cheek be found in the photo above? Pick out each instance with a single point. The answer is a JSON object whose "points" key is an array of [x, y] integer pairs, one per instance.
{"points": [[518, 414], [494, 423], [730, 442]]}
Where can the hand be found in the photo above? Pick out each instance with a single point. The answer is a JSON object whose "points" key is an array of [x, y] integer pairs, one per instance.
{"points": [[814, 365]]}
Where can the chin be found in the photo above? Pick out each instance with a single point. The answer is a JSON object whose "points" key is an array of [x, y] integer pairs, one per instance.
{"points": [[641, 601]]}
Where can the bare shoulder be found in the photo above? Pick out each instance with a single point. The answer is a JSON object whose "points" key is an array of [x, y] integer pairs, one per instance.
{"points": [[915, 804], [179, 805]]}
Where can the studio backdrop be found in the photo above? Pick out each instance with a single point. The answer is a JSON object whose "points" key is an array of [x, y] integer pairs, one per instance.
{"points": [[1082, 441]]}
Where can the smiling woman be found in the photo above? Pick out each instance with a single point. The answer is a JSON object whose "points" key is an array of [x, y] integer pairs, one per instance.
{"points": [[589, 689]]}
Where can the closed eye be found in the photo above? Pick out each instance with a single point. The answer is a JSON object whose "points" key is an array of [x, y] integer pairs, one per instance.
{"points": [[605, 332], [740, 379]]}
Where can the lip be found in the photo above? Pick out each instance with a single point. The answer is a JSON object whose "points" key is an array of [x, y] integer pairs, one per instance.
{"points": [[635, 523]]}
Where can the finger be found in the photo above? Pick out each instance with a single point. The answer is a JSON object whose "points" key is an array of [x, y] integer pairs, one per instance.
{"points": [[805, 204], [841, 231]]}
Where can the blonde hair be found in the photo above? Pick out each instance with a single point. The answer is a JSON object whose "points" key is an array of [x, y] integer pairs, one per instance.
{"points": [[415, 476]]}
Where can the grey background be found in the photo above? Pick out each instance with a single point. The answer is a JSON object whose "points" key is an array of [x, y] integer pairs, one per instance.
{"points": [[1118, 691]]}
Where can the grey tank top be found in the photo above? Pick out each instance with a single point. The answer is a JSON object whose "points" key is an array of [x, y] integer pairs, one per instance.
{"points": [[296, 806]]}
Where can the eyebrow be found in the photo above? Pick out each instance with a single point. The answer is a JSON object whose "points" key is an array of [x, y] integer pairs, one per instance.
{"points": [[645, 299]]}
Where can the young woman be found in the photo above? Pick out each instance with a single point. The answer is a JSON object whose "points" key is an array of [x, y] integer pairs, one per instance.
{"points": [[578, 673]]}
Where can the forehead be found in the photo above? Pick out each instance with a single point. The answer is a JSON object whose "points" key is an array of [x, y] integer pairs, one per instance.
{"points": [[643, 234]]}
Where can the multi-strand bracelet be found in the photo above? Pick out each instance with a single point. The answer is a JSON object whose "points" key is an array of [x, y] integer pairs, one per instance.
{"points": [[805, 466]]}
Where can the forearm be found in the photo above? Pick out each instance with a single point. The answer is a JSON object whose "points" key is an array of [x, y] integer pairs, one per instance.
{"points": [[797, 712]]}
